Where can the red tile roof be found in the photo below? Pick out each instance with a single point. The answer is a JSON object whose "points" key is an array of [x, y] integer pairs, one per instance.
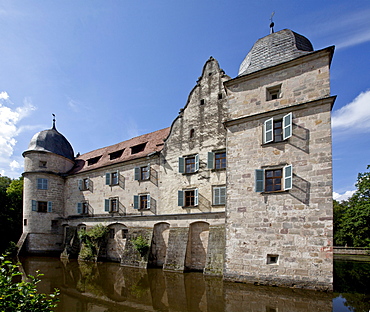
{"points": [[154, 143]]}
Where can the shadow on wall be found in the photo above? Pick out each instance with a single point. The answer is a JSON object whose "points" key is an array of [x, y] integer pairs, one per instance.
{"points": [[301, 189], [300, 138]]}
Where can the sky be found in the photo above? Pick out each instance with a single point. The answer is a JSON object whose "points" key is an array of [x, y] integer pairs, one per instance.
{"points": [[115, 69]]}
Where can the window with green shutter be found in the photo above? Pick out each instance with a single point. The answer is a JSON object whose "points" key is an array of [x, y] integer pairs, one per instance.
{"points": [[277, 130], [274, 179], [219, 195]]}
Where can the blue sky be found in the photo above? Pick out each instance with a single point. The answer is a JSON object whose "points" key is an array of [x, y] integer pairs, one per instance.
{"points": [[111, 70]]}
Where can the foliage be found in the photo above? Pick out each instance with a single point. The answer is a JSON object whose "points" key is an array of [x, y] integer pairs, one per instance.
{"points": [[22, 295], [92, 240], [11, 202], [352, 217], [141, 245]]}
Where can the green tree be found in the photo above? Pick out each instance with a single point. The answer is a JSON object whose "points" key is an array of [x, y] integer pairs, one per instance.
{"points": [[352, 218], [11, 194]]}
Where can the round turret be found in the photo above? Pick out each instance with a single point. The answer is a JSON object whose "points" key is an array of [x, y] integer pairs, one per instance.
{"points": [[274, 49], [46, 161], [51, 141]]}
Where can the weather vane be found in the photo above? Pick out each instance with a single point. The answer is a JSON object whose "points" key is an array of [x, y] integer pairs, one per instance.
{"points": [[53, 121], [272, 23]]}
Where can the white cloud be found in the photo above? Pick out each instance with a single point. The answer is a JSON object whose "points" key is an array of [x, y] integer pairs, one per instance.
{"points": [[348, 29], [4, 95], [14, 165], [344, 196], [355, 115], [9, 119]]}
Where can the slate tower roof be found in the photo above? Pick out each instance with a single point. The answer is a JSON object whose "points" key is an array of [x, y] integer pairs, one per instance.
{"points": [[51, 141], [274, 49]]}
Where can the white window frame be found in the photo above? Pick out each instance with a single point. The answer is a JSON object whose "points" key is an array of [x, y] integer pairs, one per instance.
{"points": [[182, 164]]}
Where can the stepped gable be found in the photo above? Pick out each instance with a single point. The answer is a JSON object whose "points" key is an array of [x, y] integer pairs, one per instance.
{"points": [[274, 49], [51, 141], [134, 148]]}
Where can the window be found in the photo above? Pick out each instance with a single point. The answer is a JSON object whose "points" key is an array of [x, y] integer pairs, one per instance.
{"points": [[274, 180], [111, 205], [142, 173], [112, 178], [93, 160], [42, 164], [216, 160], [273, 93], [219, 195], [41, 206], [188, 198], [116, 154], [272, 259], [83, 184], [83, 208], [142, 201], [124, 233], [138, 148], [111, 233], [277, 130], [25, 222], [189, 164], [220, 96], [191, 134], [42, 184], [202, 101]]}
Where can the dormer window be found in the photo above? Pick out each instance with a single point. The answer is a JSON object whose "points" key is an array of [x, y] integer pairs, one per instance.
{"points": [[138, 148], [93, 160], [116, 154]]}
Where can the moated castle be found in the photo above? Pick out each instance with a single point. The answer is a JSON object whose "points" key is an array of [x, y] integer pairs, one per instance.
{"points": [[239, 186]]}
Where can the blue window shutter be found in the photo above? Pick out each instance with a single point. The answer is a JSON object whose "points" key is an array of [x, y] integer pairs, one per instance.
{"points": [[181, 164], [117, 176], [288, 177], [216, 195], [223, 195], [39, 184], [45, 184], [137, 173], [80, 184], [34, 205], [197, 162], [136, 201], [50, 206], [107, 178], [180, 198], [260, 180], [287, 126], [268, 130], [196, 197], [148, 201], [106, 205], [210, 160], [79, 208]]}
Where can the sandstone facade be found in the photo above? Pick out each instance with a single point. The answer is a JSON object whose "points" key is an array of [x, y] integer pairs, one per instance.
{"points": [[240, 185]]}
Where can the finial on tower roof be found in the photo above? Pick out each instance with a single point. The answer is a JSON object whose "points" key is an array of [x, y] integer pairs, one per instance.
{"points": [[53, 121], [272, 23]]}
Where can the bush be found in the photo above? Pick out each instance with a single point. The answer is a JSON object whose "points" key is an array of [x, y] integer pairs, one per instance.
{"points": [[22, 295], [141, 245], [91, 241]]}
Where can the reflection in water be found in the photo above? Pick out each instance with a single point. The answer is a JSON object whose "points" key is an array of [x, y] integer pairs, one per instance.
{"points": [[110, 287]]}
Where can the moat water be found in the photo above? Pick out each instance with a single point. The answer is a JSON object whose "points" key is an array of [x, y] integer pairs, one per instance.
{"points": [[98, 287]]}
